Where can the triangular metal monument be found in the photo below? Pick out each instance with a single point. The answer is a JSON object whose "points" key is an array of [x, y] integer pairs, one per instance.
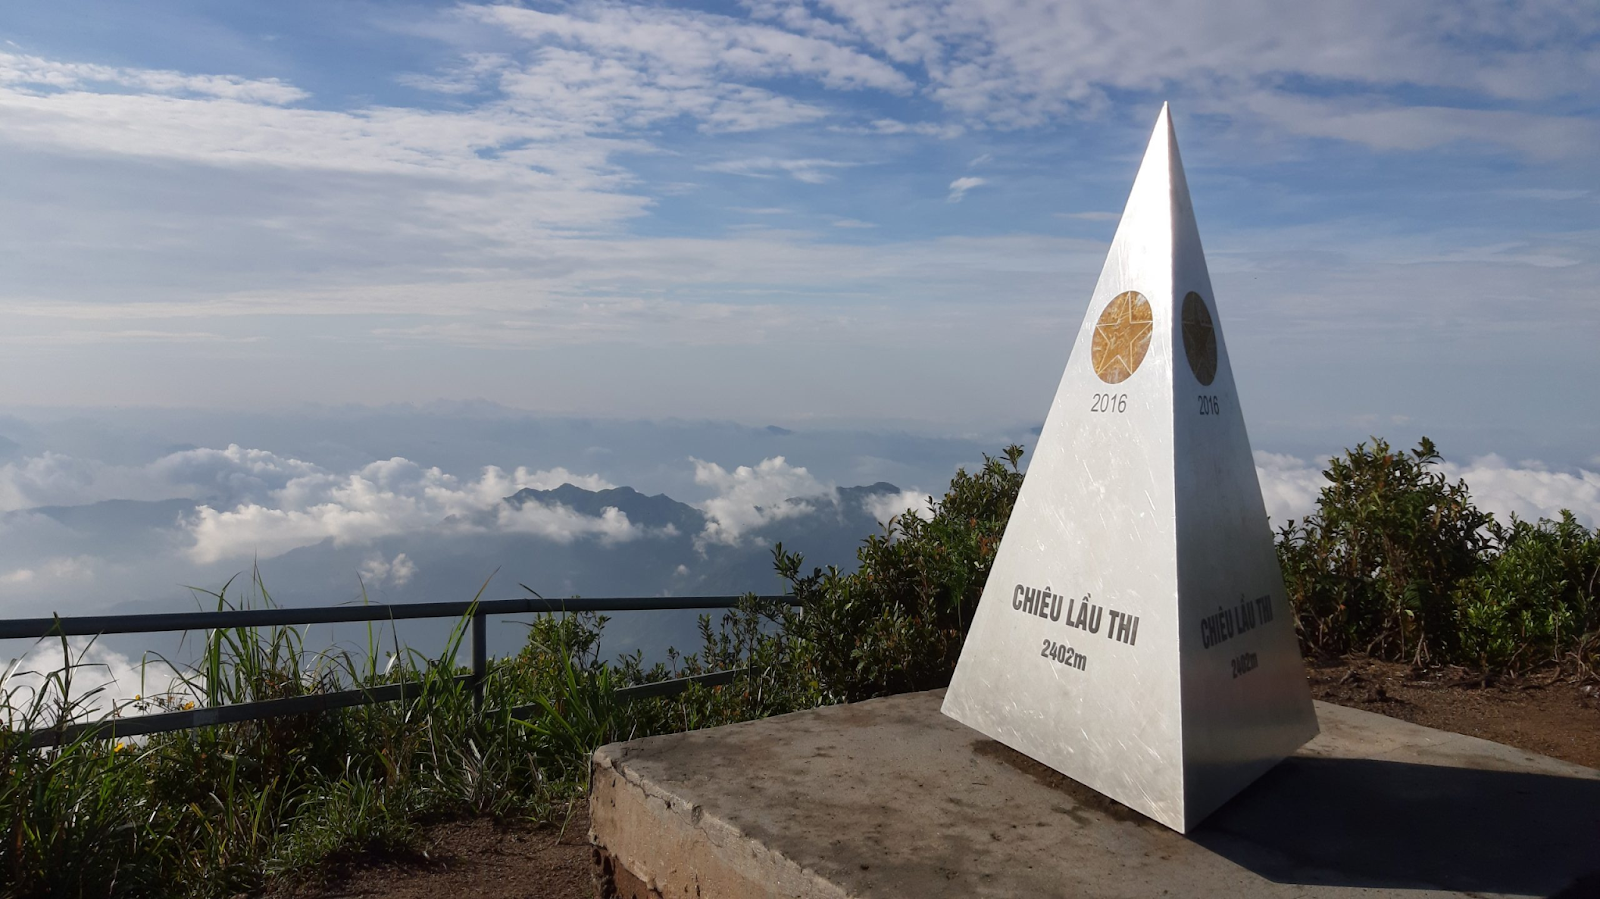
{"points": [[1135, 634]]}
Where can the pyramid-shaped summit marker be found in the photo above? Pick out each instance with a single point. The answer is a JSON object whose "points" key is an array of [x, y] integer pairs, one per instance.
{"points": [[1134, 633]]}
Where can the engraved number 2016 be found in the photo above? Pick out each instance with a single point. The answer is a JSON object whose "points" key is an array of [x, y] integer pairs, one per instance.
{"points": [[1209, 405], [1109, 402]]}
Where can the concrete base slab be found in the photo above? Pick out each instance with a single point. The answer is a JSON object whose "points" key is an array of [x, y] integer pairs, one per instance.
{"points": [[889, 798]]}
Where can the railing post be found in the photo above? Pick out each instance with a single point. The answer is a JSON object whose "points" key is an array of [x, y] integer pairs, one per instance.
{"points": [[480, 656]]}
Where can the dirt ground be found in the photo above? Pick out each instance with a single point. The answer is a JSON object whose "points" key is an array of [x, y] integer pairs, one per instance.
{"points": [[1542, 713], [477, 860], [473, 859]]}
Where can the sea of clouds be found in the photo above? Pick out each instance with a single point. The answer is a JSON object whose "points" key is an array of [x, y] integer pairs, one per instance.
{"points": [[233, 507], [253, 504], [245, 505]]}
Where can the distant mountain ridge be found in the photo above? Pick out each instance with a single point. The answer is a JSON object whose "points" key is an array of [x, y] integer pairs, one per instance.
{"points": [[661, 511], [658, 511], [670, 553]]}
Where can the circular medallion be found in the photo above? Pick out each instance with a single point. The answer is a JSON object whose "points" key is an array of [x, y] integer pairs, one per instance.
{"points": [[1199, 338], [1121, 337]]}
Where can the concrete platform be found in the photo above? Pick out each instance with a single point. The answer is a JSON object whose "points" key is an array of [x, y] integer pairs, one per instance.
{"points": [[889, 798]]}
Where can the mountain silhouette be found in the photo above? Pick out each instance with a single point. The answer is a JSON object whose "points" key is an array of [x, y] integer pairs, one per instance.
{"points": [[653, 512], [667, 552]]}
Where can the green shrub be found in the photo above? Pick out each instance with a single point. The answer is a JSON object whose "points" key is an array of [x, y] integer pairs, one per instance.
{"points": [[1398, 563], [897, 622], [1374, 570], [1534, 602]]}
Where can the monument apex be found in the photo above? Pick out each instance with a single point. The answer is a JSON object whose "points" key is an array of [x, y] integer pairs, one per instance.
{"points": [[1134, 633]]}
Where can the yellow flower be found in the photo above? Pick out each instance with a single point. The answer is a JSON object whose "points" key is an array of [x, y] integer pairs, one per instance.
{"points": [[187, 706], [119, 747]]}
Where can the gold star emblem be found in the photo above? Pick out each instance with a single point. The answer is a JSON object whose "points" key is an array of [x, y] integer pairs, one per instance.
{"points": [[1122, 337]]}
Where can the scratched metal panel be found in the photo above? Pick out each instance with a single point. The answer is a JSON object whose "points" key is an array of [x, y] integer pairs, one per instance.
{"points": [[1099, 523], [1095, 518], [1246, 702]]}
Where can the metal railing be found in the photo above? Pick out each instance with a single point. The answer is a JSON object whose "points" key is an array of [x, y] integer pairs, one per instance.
{"points": [[479, 610]]}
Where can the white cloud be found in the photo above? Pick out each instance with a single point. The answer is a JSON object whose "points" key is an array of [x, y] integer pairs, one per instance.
{"points": [[506, 212], [606, 95], [58, 571], [749, 497], [1529, 489], [35, 73], [237, 476], [811, 171], [940, 130], [1289, 485], [1017, 65], [960, 186], [252, 502], [53, 479], [397, 572], [551, 478], [1387, 125], [492, 173], [471, 75], [101, 680], [886, 506], [694, 45], [384, 499]]}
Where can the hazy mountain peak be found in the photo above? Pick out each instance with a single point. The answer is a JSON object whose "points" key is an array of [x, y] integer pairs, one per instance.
{"points": [[656, 511]]}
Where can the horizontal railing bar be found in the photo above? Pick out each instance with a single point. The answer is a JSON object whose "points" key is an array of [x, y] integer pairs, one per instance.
{"points": [[655, 689], [164, 722], [142, 725], [93, 625], [679, 684]]}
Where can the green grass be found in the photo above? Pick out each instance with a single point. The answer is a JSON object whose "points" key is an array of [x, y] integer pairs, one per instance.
{"points": [[1396, 562], [221, 810]]}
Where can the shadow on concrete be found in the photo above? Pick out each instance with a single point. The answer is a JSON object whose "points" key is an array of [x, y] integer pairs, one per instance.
{"points": [[1372, 823]]}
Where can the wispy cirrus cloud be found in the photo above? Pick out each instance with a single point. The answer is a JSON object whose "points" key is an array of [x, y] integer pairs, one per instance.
{"points": [[960, 186], [49, 76], [699, 46], [562, 175], [811, 171]]}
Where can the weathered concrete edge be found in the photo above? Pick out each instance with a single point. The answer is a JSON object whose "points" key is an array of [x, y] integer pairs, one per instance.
{"points": [[691, 852], [720, 859], [1373, 735]]}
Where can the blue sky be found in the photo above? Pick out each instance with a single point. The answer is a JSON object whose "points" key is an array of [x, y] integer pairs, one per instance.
{"points": [[804, 213], [296, 275]]}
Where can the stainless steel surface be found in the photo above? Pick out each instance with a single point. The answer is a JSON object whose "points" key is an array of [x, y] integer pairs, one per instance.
{"points": [[1134, 633]]}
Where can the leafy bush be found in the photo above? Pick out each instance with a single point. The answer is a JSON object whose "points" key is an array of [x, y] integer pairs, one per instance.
{"points": [[1534, 601], [897, 622], [1398, 563]]}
